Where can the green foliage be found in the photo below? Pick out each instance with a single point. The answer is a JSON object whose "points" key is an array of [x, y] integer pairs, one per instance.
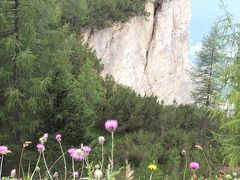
{"points": [[206, 74], [49, 81], [230, 78], [151, 132], [99, 14]]}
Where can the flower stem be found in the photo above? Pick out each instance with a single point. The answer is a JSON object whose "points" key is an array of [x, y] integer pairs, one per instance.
{"points": [[46, 166], [82, 170], [102, 158], [194, 177], [39, 174], [112, 149], [28, 174], [65, 164], [1, 167], [73, 168], [205, 157], [185, 169], [150, 178], [56, 161], [20, 163], [36, 165]]}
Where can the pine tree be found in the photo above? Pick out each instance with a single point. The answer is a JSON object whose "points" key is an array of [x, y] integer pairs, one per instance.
{"points": [[205, 76]]}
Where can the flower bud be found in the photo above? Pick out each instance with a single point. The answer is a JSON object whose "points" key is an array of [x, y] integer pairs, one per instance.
{"points": [[101, 140], [13, 173], [37, 169], [98, 173]]}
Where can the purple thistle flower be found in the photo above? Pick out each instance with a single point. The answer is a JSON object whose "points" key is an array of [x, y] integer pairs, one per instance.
{"points": [[75, 174], [111, 125], [4, 150], [45, 136], [71, 150], [86, 149], [58, 137], [194, 165], [76, 154], [40, 147]]}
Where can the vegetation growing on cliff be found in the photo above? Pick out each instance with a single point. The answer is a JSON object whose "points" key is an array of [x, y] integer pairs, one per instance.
{"points": [[99, 14]]}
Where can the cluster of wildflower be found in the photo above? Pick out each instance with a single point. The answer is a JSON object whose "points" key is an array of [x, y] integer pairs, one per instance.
{"points": [[42, 140], [79, 154], [76, 154]]}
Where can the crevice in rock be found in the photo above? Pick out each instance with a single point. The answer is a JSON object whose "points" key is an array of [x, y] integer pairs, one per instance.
{"points": [[157, 7]]}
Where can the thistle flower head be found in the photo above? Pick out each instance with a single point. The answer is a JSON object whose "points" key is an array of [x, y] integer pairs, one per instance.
{"points": [[45, 136], [76, 154], [97, 166], [44, 139], [98, 173], [40, 147], [184, 152], [37, 169], [4, 150], [58, 137], [13, 173], [198, 146], [71, 150], [26, 143], [194, 165], [101, 140], [86, 149], [75, 174], [111, 125]]}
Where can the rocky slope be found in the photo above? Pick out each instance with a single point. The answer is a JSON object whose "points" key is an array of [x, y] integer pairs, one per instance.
{"points": [[149, 54]]}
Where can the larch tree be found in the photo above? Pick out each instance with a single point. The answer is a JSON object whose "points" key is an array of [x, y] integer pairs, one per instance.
{"points": [[230, 79], [42, 69], [205, 75]]}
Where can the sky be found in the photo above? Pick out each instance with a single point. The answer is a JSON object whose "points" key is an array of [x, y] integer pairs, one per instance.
{"points": [[204, 14]]}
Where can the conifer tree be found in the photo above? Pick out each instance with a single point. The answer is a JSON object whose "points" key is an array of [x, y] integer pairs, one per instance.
{"points": [[39, 87], [205, 76], [230, 79]]}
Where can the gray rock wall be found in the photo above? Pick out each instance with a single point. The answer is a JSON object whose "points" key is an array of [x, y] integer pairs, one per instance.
{"points": [[151, 56]]}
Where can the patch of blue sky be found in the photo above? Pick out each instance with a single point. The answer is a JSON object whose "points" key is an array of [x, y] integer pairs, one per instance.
{"points": [[204, 14]]}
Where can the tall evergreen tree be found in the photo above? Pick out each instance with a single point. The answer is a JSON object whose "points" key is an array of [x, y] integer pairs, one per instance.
{"points": [[40, 62], [230, 79], [206, 73]]}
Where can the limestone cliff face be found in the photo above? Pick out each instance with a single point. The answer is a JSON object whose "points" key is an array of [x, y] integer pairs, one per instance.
{"points": [[149, 54]]}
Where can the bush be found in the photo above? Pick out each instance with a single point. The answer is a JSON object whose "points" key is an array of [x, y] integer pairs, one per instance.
{"points": [[150, 131], [99, 14]]}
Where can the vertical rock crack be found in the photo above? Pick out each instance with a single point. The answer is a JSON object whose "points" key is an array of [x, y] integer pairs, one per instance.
{"points": [[157, 7]]}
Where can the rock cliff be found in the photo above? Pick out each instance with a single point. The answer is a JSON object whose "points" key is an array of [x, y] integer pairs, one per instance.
{"points": [[149, 54]]}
